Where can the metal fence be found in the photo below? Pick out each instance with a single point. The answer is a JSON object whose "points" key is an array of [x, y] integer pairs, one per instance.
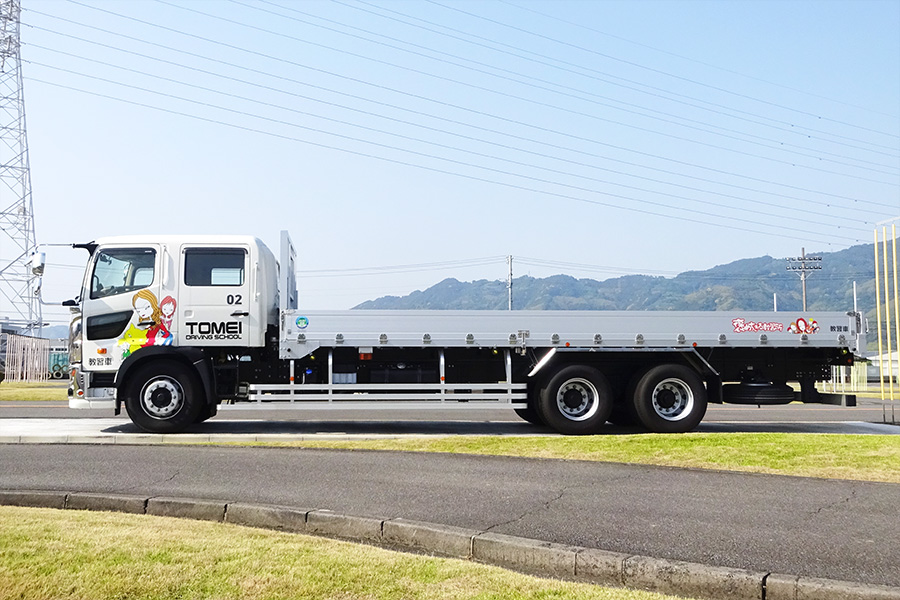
{"points": [[26, 358], [848, 379], [887, 309]]}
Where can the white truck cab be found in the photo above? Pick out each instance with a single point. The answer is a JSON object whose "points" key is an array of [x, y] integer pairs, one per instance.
{"points": [[158, 293]]}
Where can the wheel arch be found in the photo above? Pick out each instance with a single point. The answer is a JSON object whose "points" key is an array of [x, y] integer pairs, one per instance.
{"points": [[621, 365], [194, 358]]}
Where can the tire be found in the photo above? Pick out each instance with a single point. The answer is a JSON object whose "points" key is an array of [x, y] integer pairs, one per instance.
{"points": [[530, 413], [670, 399], [164, 396], [207, 411], [757, 393], [576, 401]]}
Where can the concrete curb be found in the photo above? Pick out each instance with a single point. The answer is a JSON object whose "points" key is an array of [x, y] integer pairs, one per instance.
{"points": [[108, 502], [546, 559], [267, 517], [429, 537], [520, 554], [692, 579], [34, 499], [329, 524], [787, 587], [187, 508]]}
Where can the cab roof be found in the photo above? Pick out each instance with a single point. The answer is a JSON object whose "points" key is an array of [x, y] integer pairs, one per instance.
{"points": [[171, 240]]}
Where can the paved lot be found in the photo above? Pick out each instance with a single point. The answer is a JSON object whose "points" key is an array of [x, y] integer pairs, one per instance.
{"points": [[868, 410]]}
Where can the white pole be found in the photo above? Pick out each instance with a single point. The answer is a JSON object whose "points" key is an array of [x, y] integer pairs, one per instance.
{"points": [[509, 280]]}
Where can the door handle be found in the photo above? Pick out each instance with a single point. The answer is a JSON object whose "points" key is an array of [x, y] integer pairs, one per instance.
{"points": [[238, 313]]}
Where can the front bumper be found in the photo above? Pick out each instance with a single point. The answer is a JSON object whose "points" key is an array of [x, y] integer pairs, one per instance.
{"points": [[82, 395]]}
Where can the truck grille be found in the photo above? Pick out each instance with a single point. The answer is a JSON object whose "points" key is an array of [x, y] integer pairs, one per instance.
{"points": [[103, 380]]}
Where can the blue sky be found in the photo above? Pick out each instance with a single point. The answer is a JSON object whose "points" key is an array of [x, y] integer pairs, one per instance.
{"points": [[590, 138]]}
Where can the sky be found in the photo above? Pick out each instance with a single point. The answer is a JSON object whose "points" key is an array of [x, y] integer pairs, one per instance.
{"points": [[401, 142]]}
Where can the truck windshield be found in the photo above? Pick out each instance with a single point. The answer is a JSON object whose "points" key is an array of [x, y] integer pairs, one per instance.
{"points": [[117, 271]]}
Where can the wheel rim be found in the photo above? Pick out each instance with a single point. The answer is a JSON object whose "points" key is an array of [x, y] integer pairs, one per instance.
{"points": [[673, 399], [162, 397], [577, 399]]}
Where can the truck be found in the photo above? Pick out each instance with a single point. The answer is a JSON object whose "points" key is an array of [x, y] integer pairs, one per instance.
{"points": [[177, 327]]}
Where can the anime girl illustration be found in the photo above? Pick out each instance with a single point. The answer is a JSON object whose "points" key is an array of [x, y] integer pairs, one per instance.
{"points": [[803, 326], [150, 329], [167, 306]]}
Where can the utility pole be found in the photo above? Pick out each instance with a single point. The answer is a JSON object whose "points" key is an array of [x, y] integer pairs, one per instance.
{"points": [[509, 280], [19, 302], [807, 264]]}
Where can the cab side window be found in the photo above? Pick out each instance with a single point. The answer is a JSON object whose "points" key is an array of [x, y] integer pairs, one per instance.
{"points": [[214, 266], [118, 271]]}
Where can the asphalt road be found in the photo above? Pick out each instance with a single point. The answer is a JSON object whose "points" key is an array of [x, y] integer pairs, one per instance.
{"points": [[718, 416], [809, 527]]}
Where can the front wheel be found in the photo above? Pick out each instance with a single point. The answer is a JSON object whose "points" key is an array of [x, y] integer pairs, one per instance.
{"points": [[670, 399], [577, 400], [163, 396]]}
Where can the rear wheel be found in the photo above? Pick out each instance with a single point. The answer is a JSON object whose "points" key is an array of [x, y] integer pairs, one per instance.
{"points": [[577, 400], [670, 399], [163, 396]]}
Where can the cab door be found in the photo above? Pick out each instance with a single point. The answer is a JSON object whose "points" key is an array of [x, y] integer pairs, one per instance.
{"points": [[214, 301], [121, 305]]}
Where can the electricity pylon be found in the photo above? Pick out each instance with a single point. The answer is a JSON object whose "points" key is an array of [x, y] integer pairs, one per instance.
{"points": [[20, 307]]}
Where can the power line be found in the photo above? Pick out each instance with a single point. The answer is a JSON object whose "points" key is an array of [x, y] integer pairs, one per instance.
{"points": [[629, 107], [786, 126], [525, 98], [693, 60], [482, 113], [346, 107], [452, 161], [411, 268], [431, 142], [406, 163], [356, 139], [658, 71]]}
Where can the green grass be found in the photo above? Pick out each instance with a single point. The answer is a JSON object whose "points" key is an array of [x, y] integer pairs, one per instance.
{"points": [[51, 554], [861, 457], [17, 391]]}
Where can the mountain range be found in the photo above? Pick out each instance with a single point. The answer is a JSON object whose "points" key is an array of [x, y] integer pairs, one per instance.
{"points": [[747, 284]]}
